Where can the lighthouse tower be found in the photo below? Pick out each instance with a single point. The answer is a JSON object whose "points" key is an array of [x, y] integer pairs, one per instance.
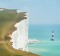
{"points": [[52, 35]]}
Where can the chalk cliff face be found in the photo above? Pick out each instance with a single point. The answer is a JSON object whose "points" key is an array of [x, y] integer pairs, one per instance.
{"points": [[20, 36], [8, 18]]}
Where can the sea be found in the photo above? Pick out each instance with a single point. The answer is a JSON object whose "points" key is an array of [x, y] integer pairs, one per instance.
{"points": [[43, 33]]}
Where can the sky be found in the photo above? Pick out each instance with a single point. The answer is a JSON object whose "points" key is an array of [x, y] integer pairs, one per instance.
{"points": [[39, 11]]}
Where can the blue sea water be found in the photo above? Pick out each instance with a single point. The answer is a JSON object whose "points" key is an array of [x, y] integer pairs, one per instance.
{"points": [[45, 47]]}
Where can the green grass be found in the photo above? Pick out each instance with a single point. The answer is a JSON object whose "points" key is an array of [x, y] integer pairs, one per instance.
{"points": [[4, 52]]}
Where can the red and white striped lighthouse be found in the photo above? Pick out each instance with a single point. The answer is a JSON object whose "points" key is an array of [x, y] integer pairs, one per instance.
{"points": [[52, 35]]}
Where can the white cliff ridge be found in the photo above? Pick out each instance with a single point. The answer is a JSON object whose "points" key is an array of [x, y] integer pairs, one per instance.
{"points": [[20, 36]]}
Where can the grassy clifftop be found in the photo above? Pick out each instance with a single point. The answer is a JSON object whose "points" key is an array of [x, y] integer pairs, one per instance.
{"points": [[8, 18]]}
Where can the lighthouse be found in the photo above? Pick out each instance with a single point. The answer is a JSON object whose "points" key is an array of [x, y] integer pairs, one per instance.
{"points": [[52, 36]]}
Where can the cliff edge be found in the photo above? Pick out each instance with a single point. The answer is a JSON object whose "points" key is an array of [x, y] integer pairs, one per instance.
{"points": [[9, 17]]}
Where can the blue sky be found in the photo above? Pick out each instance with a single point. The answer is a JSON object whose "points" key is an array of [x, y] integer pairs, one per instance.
{"points": [[40, 11]]}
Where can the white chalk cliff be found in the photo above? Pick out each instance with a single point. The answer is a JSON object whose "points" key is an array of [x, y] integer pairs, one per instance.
{"points": [[20, 36]]}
